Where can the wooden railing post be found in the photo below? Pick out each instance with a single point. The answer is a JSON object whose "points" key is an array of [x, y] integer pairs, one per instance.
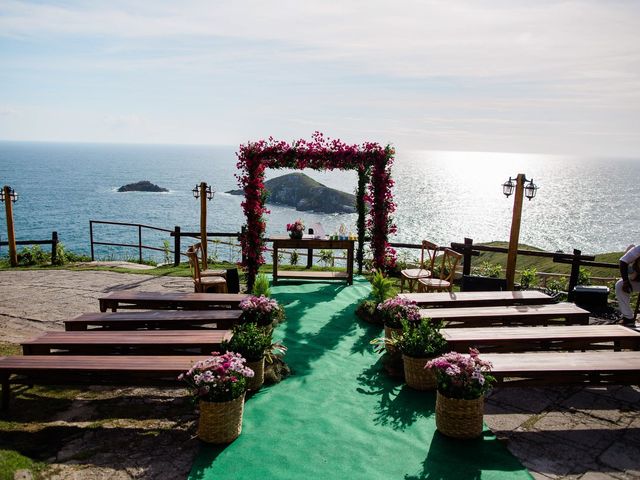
{"points": [[176, 246], [91, 238], [468, 249], [575, 272], [54, 247], [309, 258], [11, 234], [140, 242]]}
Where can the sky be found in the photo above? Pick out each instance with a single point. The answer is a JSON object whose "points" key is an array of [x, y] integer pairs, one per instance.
{"points": [[497, 75]]}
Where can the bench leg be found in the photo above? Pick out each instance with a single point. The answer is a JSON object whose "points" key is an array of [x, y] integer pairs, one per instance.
{"points": [[6, 392]]}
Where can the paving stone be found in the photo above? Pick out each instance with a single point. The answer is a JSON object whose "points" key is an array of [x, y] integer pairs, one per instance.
{"points": [[623, 456]]}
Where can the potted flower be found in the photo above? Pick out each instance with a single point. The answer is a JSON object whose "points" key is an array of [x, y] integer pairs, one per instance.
{"points": [[381, 289], [420, 342], [251, 342], [259, 310], [219, 383], [462, 382], [295, 229], [392, 312]]}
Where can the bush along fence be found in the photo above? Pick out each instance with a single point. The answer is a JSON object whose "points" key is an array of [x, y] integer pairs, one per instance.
{"points": [[54, 242]]}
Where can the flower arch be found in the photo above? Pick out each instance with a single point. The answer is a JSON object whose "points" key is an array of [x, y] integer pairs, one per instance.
{"points": [[371, 161]]}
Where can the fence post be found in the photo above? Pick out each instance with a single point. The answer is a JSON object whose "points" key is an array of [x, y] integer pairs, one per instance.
{"points": [[176, 246], [468, 249], [140, 242], [575, 271], [243, 232], [309, 257], [54, 247], [91, 237]]}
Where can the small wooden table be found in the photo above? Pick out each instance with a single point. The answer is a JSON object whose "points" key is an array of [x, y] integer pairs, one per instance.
{"points": [[154, 342], [567, 313], [522, 339], [155, 319], [477, 299], [169, 300], [312, 243]]}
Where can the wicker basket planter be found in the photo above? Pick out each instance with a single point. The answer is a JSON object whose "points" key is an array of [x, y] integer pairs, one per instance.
{"points": [[416, 376], [257, 380], [220, 422], [459, 418]]}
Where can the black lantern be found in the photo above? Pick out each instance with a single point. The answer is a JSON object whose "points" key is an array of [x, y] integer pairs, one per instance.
{"points": [[209, 192], [508, 186], [13, 195], [530, 189], [196, 191]]}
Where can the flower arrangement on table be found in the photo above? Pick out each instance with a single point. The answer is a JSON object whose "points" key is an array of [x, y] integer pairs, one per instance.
{"points": [[462, 382], [296, 229], [261, 310], [219, 378]]}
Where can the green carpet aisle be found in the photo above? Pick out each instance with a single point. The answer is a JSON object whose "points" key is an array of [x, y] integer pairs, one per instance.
{"points": [[339, 416]]}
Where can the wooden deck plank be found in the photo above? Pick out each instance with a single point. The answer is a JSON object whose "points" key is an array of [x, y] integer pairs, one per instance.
{"points": [[568, 313], [172, 319], [510, 339], [169, 300], [565, 368], [478, 299]]}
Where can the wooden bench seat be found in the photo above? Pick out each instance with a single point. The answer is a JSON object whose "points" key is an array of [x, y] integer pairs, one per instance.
{"points": [[566, 313], [169, 300], [106, 342], [156, 319], [477, 299], [520, 339], [92, 370], [565, 368]]}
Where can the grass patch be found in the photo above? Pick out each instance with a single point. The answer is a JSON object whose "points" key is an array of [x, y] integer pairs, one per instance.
{"points": [[7, 348], [11, 461]]}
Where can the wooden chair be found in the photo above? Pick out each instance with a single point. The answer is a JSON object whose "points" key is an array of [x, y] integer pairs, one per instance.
{"points": [[447, 270], [426, 266], [197, 248], [202, 284]]}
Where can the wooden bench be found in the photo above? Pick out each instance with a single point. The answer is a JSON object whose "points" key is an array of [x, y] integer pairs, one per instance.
{"points": [[157, 319], [92, 370], [565, 368], [478, 299], [169, 300], [520, 339], [105, 342], [567, 313]]}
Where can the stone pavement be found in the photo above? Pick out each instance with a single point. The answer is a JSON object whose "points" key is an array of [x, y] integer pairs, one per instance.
{"points": [[561, 433]]}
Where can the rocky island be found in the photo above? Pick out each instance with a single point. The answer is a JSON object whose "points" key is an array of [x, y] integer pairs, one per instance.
{"points": [[305, 194], [142, 186]]}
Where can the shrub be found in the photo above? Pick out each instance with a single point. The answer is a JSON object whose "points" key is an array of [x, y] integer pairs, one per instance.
{"points": [[261, 286], [294, 257], [248, 340], [488, 269], [584, 276], [528, 278], [421, 339], [381, 287]]}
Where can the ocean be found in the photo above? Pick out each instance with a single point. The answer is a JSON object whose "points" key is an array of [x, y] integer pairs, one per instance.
{"points": [[585, 203]]}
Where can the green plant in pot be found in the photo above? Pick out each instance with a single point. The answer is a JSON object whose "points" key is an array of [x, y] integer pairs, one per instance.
{"points": [[381, 290], [250, 341], [420, 342]]}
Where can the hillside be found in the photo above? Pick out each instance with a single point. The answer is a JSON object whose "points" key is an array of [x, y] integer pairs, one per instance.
{"points": [[303, 193]]}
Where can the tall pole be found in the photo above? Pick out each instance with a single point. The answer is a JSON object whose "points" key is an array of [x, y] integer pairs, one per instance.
{"points": [[515, 231], [203, 223], [11, 234]]}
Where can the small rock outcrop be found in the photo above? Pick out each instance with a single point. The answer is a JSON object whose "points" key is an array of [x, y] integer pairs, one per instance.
{"points": [[142, 186], [305, 194]]}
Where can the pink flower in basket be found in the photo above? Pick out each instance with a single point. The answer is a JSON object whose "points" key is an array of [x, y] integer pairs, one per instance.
{"points": [[462, 376]]}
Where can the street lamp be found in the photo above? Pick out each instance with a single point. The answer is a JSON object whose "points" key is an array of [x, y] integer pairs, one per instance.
{"points": [[9, 196], [204, 192], [523, 188]]}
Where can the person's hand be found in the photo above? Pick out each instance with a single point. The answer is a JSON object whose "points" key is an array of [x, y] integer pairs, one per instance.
{"points": [[626, 287]]}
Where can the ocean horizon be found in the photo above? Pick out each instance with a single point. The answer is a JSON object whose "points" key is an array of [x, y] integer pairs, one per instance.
{"points": [[588, 203]]}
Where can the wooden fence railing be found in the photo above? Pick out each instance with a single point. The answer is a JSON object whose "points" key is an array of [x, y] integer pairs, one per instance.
{"points": [[53, 242]]}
